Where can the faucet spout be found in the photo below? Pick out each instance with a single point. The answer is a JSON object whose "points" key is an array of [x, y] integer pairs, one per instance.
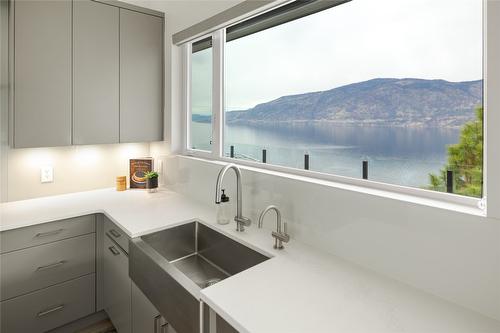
{"points": [[241, 221]]}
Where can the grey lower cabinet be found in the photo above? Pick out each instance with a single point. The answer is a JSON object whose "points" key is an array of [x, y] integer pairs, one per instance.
{"points": [[47, 275], [128, 308], [96, 75], [116, 286], [41, 266], [17, 239], [55, 273], [141, 77], [223, 326], [49, 308], [42, 73], [145, 317], [213, 323]]}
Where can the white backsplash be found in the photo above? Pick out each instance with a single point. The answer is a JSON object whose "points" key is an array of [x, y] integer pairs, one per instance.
{"points": [[452, 255], [76, 168]]}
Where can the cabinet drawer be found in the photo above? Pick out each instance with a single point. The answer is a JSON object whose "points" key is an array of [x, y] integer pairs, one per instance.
{"points": [[38, 267], [49, 308], [116, 234], [21, 238]]}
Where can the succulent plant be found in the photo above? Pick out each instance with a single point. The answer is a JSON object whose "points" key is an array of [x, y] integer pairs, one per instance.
{"points": [[151, 174]]}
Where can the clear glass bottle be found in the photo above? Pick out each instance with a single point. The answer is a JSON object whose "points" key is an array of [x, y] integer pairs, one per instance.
{"points": [[223, 209]]}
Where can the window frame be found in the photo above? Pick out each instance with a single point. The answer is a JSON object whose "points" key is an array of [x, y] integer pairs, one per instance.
{"points": [[218, 121]]}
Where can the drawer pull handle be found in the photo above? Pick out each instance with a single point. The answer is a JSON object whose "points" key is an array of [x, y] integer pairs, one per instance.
{"points": [[160, 325], [114, 233], [114, 250], [157, 326], [49, 311], [48, 233], [54, 265]]}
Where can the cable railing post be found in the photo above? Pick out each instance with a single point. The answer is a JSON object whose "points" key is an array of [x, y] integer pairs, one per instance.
{"points": [[264, 156], [365, 169], [306, 161], [231, 154], [449, 181]]}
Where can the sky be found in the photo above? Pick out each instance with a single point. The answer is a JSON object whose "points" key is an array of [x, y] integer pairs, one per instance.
{"points": [[353, 42]]}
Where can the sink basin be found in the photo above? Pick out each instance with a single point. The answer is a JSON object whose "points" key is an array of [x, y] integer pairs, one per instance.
{"points": [[172, 266]]}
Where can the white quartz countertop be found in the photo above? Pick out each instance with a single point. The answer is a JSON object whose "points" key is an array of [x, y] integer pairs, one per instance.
{"points": [[300, 289]]}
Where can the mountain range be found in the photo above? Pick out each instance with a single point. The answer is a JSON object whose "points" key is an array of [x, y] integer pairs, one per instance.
{"points": [[377, 102]]}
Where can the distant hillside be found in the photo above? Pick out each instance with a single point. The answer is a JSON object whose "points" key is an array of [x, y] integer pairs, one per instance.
{"points": [[201, 118], [383, 102]]}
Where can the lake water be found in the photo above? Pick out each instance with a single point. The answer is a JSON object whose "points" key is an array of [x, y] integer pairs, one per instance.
{"points": [[403, 156]]}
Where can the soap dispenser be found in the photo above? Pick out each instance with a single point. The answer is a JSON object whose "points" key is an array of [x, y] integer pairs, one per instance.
{"points": [[223, 209]]}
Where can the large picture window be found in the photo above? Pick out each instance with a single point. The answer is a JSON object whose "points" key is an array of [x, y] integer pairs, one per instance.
{"points": [[389, 91]]}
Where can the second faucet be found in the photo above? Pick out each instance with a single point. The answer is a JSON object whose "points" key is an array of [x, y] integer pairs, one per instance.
{"points": [[279, 235]]}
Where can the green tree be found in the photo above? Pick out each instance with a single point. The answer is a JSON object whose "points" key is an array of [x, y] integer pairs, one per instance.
{"points": [[465, 159]]}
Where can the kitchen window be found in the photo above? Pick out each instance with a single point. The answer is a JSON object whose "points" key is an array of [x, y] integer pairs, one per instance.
{"points": [[200, 124], [348, 90]]}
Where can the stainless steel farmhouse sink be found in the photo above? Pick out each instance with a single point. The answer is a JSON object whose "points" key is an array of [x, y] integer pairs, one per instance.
{"points": [[172, 266]]}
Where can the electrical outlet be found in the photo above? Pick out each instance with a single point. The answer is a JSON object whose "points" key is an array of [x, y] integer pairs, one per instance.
{"points": [[46, 174]]}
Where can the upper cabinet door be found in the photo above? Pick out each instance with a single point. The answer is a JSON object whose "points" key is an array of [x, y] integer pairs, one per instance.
{"points": [[141, 77], [42, 73], [95, 73]]}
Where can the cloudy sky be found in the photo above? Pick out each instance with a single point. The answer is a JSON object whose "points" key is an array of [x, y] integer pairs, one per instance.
{"points": [[356, 41]]}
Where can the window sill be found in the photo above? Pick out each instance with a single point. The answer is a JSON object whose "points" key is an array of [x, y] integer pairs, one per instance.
{"points": [[439, 200]]}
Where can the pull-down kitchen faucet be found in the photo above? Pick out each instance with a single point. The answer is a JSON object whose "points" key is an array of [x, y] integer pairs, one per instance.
{"points": [[241, 221]]}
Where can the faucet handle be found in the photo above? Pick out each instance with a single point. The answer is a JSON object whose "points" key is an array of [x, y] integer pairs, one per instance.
{"points": [[284, 237], [242, 222], [280, 237]]}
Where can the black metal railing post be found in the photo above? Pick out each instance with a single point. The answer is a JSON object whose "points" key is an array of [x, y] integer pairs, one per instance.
{"points": [[306, 161], [449, 181], [264, 156], [365, 169], [231, 154]]}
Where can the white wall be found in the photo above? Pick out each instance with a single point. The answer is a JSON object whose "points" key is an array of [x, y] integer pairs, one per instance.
{"points": [[452, 255]]}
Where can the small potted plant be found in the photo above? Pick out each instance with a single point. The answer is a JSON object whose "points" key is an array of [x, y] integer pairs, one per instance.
{"points": [[151, 181]]}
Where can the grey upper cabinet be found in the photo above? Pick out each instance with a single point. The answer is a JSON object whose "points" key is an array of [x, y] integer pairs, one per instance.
{"points": [[95, 73], [141, 77], [85, 72], [42, 73]]}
